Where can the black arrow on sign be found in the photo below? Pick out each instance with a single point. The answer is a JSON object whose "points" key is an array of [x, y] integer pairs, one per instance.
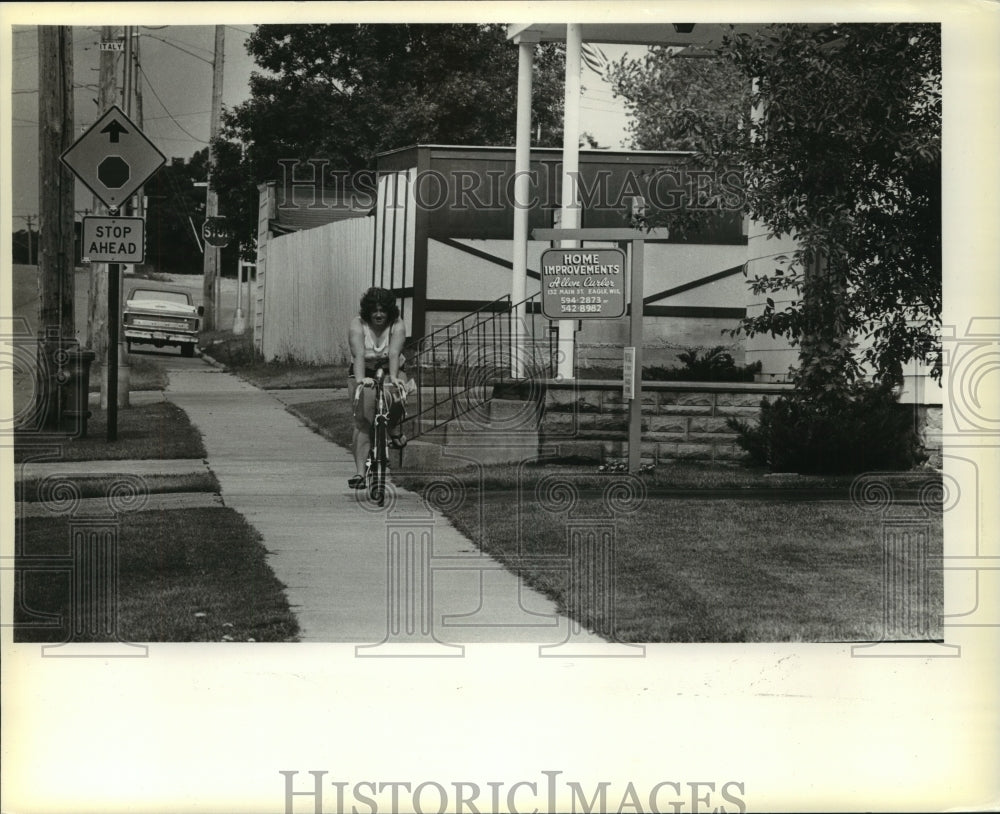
{"points": [[115, 130]]}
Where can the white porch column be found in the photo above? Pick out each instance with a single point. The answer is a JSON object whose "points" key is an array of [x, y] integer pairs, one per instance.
{"points": [[571, 166], [522, 195]]}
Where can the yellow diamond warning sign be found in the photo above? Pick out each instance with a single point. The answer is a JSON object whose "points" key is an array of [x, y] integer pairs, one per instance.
{"points": [[113, 158]]}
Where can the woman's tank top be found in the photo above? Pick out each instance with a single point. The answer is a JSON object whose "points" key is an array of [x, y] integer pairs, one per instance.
{"points": [[376, 351], [375, 348]]}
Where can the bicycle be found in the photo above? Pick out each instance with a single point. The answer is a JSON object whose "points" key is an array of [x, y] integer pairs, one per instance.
{"points": [[377, 463]]}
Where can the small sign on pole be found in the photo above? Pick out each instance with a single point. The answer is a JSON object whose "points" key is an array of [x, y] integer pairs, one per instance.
{"points": [[628, 373], [113, 240]]}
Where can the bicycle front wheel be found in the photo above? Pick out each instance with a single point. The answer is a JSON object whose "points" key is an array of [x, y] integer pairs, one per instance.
{"points": [[380, 464]]}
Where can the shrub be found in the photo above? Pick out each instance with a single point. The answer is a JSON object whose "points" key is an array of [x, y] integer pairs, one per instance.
{"points": [[714, 365], [866, 429]]}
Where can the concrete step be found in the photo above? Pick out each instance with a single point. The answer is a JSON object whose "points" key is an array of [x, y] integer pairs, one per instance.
{"points": [[429, 458], [505, 431]]}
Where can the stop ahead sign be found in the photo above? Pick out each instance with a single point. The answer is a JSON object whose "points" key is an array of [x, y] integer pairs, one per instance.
{"points": [[216, 232]]}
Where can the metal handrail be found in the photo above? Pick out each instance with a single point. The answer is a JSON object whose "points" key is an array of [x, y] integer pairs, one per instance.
{"points": [[500, 303], [475, 358]]}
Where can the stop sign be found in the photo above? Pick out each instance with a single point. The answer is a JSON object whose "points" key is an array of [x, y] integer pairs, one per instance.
{"points": [[215, 230], [113, 172]]}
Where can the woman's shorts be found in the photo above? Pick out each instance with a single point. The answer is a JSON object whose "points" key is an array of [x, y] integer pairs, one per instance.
{"points": [[364, 407]]}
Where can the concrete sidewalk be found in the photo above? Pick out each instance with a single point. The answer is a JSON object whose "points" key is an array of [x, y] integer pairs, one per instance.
{"points": [[400, 579]]}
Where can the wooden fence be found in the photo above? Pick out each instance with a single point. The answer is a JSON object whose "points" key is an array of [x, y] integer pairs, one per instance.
{"points": [[314, 281]]}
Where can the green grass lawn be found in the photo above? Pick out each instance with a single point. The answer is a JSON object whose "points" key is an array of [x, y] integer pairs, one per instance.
{"points": [[687, 569], [710, 570], [157, 430], [185, 575], [332, 420], [98, 485], [193, 575], [144, 374], [237, 354]]}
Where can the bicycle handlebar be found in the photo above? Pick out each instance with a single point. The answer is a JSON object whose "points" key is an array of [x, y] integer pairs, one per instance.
{"points": [[378, 379]]}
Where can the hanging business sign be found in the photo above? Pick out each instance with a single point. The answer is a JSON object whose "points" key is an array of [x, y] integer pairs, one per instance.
{"points": [[113, 240], [583, 283]]}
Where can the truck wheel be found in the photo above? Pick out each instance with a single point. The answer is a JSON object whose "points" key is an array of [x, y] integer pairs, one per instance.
{"points": [[187, 350]]}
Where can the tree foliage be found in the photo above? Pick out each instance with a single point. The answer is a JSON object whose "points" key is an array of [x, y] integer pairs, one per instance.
{"points": [[679, 103], [844, 154], [174, 215], [345, 93]]}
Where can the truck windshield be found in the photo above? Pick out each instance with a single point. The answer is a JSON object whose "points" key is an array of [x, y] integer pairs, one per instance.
{"points": [[178, 297]]}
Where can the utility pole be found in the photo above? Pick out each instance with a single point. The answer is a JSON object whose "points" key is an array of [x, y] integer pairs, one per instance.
{"points": [[118, 367], [211, 262], [97, 311], [55, 227], [140, 195], [31, 252]]}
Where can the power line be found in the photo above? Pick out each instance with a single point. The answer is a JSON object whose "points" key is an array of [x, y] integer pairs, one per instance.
{"points": [[179, 115], [178, 138], [76, 86], [171, 115], [194, 45], [183, 50]]}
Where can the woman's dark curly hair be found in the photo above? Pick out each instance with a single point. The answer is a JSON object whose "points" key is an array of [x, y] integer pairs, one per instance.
{"points": [[379, 296]]}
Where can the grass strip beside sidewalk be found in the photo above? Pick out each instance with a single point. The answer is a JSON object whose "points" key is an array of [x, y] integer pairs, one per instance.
{"points": [[192, 575], [35, 489], [184, 575], [149, 431]]}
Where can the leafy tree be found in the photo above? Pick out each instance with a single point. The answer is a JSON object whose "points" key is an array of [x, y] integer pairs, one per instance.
{"points": [[174, 218], [679, 103], [347, 92], [845, 155], [176, 209]]}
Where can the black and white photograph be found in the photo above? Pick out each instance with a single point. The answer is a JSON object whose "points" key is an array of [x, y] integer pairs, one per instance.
{"points": [[525, 407]]}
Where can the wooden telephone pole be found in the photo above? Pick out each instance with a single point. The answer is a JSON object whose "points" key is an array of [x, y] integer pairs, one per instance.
{"points": [[211, 262], [97, 310], [56, 188]]}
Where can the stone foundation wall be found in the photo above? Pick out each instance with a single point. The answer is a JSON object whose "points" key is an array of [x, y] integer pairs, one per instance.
{"points": [[679, 420]]}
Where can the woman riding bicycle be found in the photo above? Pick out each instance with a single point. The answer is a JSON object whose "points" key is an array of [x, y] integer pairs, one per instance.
{"points": [[376, 339]]}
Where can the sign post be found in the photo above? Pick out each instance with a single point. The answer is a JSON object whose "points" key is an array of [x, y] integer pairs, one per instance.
{"points": [[216, 232], [635, 341], [635, 240], [114, 158]]}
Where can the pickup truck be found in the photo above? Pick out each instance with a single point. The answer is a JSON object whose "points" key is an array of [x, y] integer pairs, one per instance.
{"points": [[161, 316]]}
